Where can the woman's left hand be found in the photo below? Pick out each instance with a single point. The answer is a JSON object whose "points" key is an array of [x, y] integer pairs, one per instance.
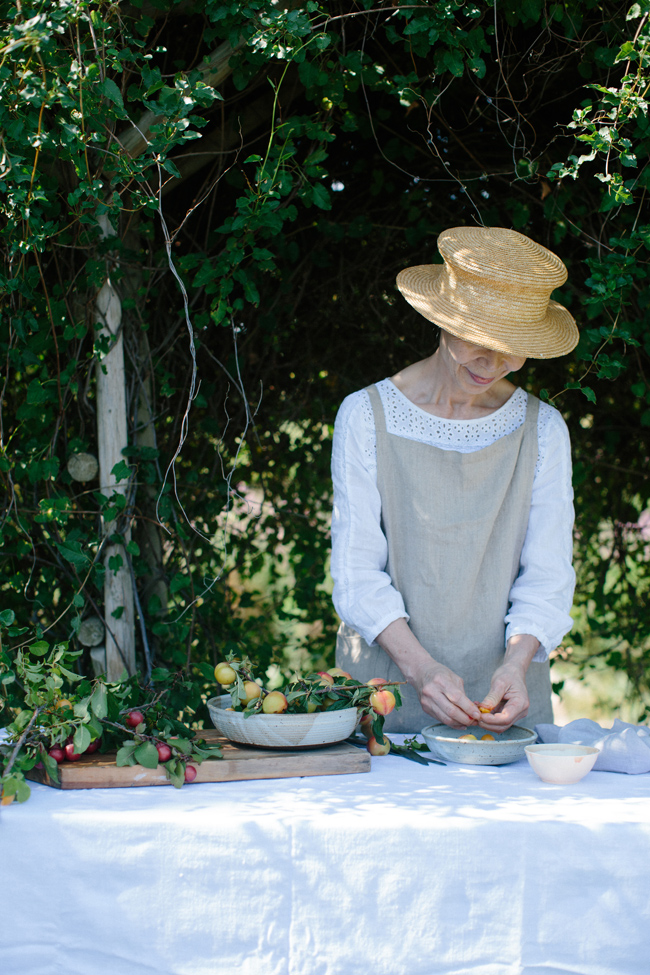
{"points": [[509, 698], [508, 695]]}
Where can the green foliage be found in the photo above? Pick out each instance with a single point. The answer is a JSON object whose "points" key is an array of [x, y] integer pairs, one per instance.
{"points": [[278, 164], [44, 703]]}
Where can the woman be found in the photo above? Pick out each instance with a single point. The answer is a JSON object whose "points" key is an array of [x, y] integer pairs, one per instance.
{"points": [[453, 516]]}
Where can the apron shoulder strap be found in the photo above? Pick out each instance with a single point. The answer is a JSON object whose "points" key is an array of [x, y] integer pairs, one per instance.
{"points": [[377, 409], [532, 410]]}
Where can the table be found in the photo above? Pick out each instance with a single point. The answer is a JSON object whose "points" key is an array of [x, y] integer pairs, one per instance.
{"points": [[407, 870]]}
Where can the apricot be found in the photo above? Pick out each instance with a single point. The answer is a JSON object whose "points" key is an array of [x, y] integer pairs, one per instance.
{"points": [[488, 738], [376, 682], [382, 702], [375, 748], [252, 691], [337, 672], [366, 725], [327, 678], [190, 773], [467, 738], [482, 708], [224, 673], [274, 703]]}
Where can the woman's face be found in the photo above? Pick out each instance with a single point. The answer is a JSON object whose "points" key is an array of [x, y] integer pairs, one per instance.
{"points": [[473, 367]]}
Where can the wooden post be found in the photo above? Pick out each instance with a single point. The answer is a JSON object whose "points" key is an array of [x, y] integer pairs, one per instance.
{"points": [[112, 437]]}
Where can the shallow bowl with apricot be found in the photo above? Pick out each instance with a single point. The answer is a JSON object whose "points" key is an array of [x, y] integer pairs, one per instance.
{"points": [[478, 747]]}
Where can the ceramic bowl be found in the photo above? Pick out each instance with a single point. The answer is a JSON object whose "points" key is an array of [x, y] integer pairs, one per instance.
{"points": [[282, 730], [507, 747], [561, 764]]}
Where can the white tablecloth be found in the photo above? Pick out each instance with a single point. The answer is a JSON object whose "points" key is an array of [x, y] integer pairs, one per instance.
{"points": [[404, 871]]}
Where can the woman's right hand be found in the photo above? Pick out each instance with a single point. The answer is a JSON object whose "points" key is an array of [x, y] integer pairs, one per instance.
{"points": [[442, 695], [441, 691]]}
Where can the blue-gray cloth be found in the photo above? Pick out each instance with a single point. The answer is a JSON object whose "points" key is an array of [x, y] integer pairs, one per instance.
{"points": [[623, 747]]}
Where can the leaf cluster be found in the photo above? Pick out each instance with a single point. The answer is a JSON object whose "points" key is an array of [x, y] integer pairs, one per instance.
{"points": [[50, 704]]}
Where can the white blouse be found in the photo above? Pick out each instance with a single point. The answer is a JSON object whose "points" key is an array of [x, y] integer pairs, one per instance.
{"points": [[364, 597]]}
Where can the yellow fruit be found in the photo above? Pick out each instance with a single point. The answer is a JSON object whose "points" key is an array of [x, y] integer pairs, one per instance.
{"points": [[251, 690], [488, 738], [274, 703], [467, 738], [382, 702], [375, 748], [311, 707], [63, 703], [337, 672], [224, 673], [366, 725]]}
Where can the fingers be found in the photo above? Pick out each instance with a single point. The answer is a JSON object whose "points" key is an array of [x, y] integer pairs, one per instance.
{"points": [[447, 702], [509, 713]]}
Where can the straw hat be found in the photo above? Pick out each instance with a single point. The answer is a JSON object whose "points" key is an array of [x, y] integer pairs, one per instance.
{"points": [[494, 291]]}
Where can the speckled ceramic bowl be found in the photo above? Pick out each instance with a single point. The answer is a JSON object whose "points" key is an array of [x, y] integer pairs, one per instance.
{"points": [[508, 746], [282, 730], [561, 764]]}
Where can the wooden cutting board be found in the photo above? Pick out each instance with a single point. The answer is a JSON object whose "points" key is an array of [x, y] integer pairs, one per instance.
{"points": [[238, 762]]}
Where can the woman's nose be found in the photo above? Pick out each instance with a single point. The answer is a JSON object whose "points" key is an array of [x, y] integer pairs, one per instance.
{"points": [[491, 358]]}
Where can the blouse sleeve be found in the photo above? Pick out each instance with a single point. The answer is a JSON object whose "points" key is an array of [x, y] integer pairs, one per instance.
{"points": [[542, 594], [363, 595]]}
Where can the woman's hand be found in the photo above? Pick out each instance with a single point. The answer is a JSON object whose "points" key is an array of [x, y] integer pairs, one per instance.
{"points": [[508, 695], [440, 690], [442, 695]]}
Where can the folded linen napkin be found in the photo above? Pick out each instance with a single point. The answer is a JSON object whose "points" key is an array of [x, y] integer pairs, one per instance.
{"points": [[623, 747]]}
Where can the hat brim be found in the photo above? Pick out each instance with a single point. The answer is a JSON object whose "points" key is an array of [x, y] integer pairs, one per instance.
{"points": [[554, 335]]}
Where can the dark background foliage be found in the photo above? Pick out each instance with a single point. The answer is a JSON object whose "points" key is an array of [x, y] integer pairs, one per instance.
{"points": [[324, 149]]}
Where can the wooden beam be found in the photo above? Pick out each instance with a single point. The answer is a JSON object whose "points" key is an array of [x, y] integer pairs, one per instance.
{"points": [[112, 438]]}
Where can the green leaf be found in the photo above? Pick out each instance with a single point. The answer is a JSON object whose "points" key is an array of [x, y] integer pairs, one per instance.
{"points": [[81, 739], [71, 552], [321, 197], [112, 92], [69, 674], [121, 471], [81, 708], [125, 754], [51, 767], [175, 771], [7, 617], [39, 648], [99, 701], [146, 755], [183, 745]]}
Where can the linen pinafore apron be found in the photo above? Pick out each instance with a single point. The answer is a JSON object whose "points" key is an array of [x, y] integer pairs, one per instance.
{"points": [[455, 525]]}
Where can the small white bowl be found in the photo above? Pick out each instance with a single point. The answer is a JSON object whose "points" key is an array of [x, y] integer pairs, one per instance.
{"points": [[507, 746], [561, 764], [282, 730]]}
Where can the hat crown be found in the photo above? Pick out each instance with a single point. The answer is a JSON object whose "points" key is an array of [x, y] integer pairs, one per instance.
{"points": [[504, 259], [493, 290]]}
